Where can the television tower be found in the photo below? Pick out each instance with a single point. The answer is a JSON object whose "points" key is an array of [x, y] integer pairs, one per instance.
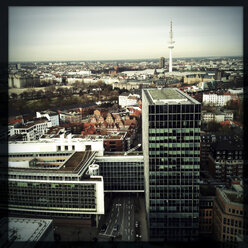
{"points": [[171, 46]]}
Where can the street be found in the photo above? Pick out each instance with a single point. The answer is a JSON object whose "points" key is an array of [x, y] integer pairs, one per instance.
{"points": [[121, 217]]}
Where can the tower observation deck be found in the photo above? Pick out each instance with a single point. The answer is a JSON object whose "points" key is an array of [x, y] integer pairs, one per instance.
{"points": [[171, 46]]}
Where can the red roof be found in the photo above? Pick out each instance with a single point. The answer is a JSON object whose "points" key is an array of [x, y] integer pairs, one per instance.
{"points": [[15, 121]]}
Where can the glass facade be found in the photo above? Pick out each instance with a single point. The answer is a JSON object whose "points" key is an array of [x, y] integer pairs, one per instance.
{"points": [[122, 174], [173, 170]]}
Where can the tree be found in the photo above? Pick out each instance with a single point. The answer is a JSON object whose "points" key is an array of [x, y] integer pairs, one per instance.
{"points": [[213, 126]]}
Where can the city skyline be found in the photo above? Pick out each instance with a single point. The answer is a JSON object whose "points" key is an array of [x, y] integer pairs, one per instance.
{"points": [[115, 33]]}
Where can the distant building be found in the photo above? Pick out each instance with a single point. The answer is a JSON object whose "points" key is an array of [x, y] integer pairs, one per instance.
{"points": [[50, 115], [70, 117], [217, 116], [33, 130], [216, 100], [162, 62], [25, 232], [16, 81], [127, 99], [230, 215]]}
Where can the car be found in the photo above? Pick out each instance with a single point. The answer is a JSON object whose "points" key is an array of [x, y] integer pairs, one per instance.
{"points": [[116, 227]]}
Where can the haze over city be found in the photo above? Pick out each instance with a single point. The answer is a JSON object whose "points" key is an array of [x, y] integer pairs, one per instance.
{"points": [[103, 33]]}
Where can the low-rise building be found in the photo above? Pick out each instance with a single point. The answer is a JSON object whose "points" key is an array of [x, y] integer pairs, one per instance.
{"points": [[70, 117], [127, 99], [25, 232], [217, 116], [33, 130], [50, 115], [215, 99], [58, 142], [55, 185]]}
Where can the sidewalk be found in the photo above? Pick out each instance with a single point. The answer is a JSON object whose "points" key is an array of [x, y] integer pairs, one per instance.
{"points": [[140, 215]]}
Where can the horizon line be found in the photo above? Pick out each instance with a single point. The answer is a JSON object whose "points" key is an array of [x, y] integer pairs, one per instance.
{"points": [[88, 60]]}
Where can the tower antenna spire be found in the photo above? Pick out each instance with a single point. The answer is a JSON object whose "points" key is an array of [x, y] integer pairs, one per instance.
{"points": [[171, 46]]}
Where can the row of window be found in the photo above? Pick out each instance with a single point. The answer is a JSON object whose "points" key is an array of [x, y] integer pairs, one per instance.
{"points": [[175, 124], [175, 108], [174, 117]]}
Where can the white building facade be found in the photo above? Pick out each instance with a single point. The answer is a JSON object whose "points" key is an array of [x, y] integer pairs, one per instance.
{"points": [[216, 100]]}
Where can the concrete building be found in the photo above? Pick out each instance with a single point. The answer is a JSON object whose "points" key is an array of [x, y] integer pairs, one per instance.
{"points": [[217, 116], [33, 130], [216, 100], [230, 215], [25, 232], [162, 62], [171, 148], [61, 142], [55, 185], [16, 81], [127, 99], [70, 117], [50, 115]]}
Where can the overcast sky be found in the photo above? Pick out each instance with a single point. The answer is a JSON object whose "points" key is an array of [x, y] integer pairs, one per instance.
{"points": [[99, 33]]}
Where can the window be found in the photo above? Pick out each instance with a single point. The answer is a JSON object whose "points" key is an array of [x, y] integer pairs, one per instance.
{"points": [[88, 148]]}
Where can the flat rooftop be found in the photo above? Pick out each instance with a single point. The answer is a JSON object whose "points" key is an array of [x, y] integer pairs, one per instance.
{"points": [[24, 229], [168, 96], [234, 197], [164, 94], [72, 165]]}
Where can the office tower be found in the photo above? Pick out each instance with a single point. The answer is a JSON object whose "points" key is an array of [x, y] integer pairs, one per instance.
{"points": [[171, 46], [171, 148], [162, 62]]}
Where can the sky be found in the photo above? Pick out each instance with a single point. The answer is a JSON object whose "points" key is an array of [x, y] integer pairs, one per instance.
{"points": [[112, 33]]}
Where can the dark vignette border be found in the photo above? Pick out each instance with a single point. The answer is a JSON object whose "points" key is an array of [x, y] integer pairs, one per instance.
{"points": [[4, 86]]}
